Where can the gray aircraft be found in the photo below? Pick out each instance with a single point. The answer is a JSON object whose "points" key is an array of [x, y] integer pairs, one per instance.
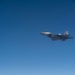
{"points": [[59, 36]]}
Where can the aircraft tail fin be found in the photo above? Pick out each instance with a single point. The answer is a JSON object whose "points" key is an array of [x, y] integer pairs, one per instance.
{"points": [[66, 33]]}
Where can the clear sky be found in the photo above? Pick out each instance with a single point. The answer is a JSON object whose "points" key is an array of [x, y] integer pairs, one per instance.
{"points": [[23, 50]]}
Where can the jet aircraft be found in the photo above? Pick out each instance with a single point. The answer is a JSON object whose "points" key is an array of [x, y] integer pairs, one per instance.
{"points": [[59, 36]]}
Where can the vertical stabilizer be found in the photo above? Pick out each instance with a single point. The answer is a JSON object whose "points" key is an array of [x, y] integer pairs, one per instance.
{"points": [[66, 33]]}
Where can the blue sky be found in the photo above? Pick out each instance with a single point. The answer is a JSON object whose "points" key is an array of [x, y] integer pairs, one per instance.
{"points": [[23, 51]]}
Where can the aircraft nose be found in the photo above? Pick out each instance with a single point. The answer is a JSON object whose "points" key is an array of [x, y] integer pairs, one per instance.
{"points": [[43, 33]]}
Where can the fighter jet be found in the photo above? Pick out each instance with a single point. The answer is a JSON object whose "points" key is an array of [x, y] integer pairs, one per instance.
{"points": [[59, 36]]}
